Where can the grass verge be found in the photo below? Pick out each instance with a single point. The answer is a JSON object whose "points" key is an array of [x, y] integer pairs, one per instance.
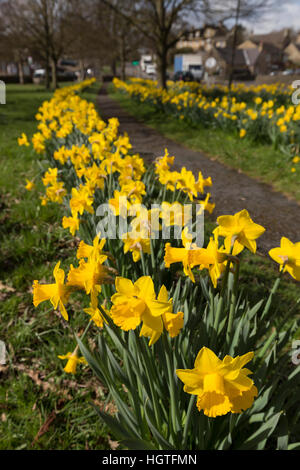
{"points": [[41, 407]]}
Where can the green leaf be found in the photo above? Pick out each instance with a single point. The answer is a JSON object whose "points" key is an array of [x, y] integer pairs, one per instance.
{"points": [[113, 424], [157, 435], [283, 434], [93, 363], [138, 444], [294, 446], [259, 438]]}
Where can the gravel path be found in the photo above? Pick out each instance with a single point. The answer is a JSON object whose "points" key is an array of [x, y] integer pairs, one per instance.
{"points": [[232, 191]]}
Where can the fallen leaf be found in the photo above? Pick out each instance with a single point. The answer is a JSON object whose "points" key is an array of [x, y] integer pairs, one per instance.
{"points": [[113, 444], [6, 288], [45, 427]]}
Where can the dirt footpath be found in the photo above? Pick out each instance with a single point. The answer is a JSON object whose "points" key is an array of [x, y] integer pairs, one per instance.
{"points": [[232, 191]]}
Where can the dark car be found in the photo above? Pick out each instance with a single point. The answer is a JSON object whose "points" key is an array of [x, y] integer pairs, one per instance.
{"points": [[184, 77]]}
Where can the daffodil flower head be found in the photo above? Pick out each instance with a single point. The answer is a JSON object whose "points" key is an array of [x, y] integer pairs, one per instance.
{"points": [[23, 140], [73, 360], [222, 386], [57, 293], [239, 231], [136, 303], [288, 257], [29, 185]]}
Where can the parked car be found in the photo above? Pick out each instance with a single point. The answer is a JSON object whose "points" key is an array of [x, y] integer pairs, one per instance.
{"points": [[39, 75], [183, 76], [197, 71], [288, 72]]}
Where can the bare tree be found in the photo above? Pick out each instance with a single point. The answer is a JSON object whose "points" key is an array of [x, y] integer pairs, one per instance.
{"points": [[161, 22], [43, 23], [82, 32], [13, 40]]}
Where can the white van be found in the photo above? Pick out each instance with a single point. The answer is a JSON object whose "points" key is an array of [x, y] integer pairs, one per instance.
{"points": [[150, 69]]}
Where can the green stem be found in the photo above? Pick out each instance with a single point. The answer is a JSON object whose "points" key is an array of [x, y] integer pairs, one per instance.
{"points": [[189, 415], [145, 273], [174, 402], [233, 301], [220, 305], [164, 193], [154, 398]]}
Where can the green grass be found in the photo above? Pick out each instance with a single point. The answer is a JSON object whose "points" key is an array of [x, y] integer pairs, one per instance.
{"points": [[41, 407], [259, 161]]}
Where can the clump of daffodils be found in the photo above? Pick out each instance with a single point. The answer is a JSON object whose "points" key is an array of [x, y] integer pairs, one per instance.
{"points": [[150, 319]]}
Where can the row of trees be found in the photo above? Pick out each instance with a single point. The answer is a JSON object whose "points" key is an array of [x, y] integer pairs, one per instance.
{"points": [[107, 30], [48, 30]]}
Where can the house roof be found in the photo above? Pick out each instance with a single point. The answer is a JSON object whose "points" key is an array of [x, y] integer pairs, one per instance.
{"points": [[251, 55], [226, 54], [276, 38]]}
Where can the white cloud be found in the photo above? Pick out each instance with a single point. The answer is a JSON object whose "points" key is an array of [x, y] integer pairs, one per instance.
{"points": [[285, 15]]}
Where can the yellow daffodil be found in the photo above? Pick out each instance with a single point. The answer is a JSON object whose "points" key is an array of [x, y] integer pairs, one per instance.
{"points": [[29, 185], [173, 322], [94, 251], [119, 204], [136, 303], [81, 200], [72, 223], [179, 255], [202, 182], [206, 205], [89, 276], [50, 176], [163, 163], [23, 140], [174, 214], [212, 258], [96, 314], [38, 141], [56, 192], [136, 245], [57, 293], [239, 231], [73, 360], [288, 257], [222, 386]]}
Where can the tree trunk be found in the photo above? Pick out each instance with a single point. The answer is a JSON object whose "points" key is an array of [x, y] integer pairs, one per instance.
{"points": [[114, 67], [123, 58], [82, 74], [54, 73], [20, 72], [162, 68], [47, 74], [234, 44]]}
